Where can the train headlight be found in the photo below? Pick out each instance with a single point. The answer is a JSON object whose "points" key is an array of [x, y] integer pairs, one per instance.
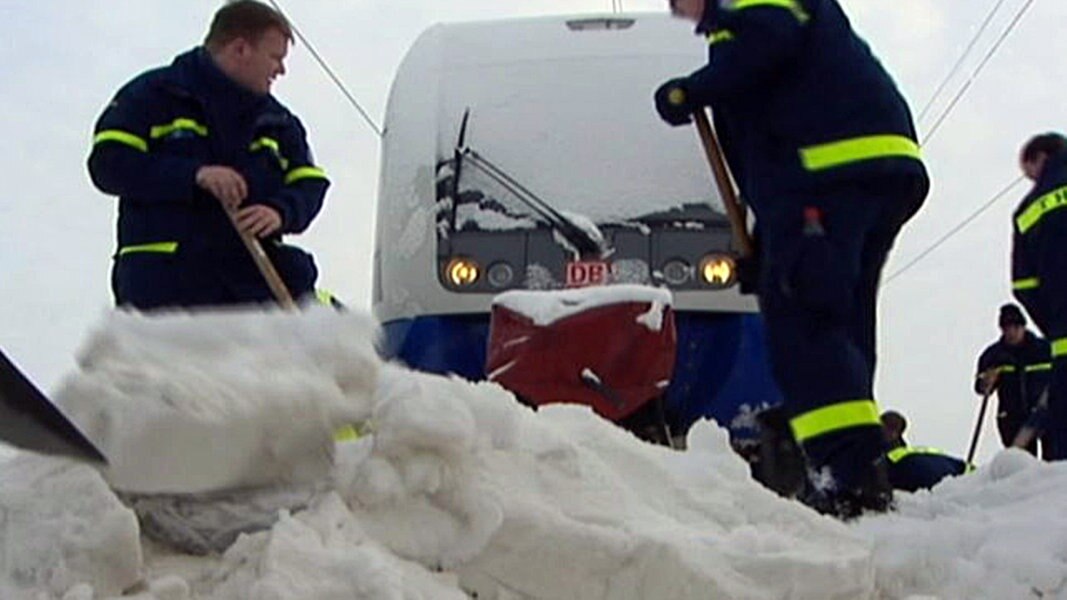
{"points": [[718, 270], [500, 275], [462, 272], [677, 272]]}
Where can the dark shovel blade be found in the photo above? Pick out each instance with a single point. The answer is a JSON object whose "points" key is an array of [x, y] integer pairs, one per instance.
{"points": [[30, 421]]}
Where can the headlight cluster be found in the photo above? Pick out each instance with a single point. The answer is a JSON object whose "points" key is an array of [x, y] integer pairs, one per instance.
{"points": [[463, 272], [717, 271]]}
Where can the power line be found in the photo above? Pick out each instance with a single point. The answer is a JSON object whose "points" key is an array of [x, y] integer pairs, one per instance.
{"points": [[978, 70], [325, 67], [944, 238], [959, 63]]}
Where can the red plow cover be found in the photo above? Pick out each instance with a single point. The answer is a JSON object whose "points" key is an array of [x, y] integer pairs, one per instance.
{"points": [[613, 357]]}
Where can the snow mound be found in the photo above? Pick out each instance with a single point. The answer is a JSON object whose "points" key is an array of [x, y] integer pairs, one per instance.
{"points": [[235, 398], [456, 488]]}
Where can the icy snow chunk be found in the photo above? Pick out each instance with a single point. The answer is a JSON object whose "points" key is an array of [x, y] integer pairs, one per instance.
{"points": [[191, 402], [64, 531]]}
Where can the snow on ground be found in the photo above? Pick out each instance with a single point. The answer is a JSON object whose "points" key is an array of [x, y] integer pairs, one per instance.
{"points": [[456, 487]]}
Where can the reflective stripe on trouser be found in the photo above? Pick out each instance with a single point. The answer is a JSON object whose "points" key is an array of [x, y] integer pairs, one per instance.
{"points": [[835, 417]]}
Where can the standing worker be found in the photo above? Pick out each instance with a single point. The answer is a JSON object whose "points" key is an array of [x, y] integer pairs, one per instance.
{"points": [[823, 147], [1017, 367], [186, 144], [1039, 270]]}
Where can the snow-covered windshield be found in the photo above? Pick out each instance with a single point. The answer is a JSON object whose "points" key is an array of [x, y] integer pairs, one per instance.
{"points": [[579, 132]]}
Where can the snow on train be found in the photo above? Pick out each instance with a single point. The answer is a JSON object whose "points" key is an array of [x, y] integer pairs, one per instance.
{"points": [[526, 155]]}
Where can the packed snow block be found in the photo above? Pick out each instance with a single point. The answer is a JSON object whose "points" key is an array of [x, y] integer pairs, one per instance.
{"points": [[63, 528], [204, 401], [611, 348]]}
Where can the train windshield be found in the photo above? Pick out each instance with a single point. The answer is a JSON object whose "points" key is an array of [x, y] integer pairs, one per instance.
{"points": [[524, 143]]}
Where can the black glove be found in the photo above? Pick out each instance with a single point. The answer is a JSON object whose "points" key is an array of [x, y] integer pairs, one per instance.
{"points": [[672, 102]]}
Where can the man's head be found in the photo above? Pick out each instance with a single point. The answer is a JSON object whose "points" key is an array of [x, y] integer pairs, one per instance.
{"points": [[1036, 152], [249, 41], [1012, 324], [893, 426], [688, 9]]}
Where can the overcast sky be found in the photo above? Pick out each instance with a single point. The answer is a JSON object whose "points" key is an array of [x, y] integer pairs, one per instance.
{"points": [[65, 59]]}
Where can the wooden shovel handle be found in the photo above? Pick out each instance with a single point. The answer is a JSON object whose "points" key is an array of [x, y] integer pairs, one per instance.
{"points": [[734, 210]]}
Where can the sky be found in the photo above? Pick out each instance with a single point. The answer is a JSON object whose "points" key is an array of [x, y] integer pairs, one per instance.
{"points": [[65, 60], [453, 487]]}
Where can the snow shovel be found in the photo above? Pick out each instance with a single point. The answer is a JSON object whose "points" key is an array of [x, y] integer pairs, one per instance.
{"points": [[981, 416], [734, 211], [266, 268], [30, 421]]}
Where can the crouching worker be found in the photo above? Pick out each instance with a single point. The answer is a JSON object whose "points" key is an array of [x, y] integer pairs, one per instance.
{"points": [[913, 468]]}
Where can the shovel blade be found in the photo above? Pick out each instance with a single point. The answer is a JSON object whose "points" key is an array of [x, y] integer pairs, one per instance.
{"points": [[30, 421]]}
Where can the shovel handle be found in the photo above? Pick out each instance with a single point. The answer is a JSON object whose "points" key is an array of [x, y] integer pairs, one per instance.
{"points": [[734, 211], [265, 266]]}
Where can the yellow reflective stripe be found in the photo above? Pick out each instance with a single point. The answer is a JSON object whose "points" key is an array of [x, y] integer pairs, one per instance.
{"points": [[304, 173], [272, 144], [157, 247], [1040, 207], [180, 123], [1039, 367], [1030, 283], [324, 296], [843, 152], [1006, 368], [1059, 348], [122, 137], [346, 433], [791, 5], [723, 35], [897, 454], [843, 415]]}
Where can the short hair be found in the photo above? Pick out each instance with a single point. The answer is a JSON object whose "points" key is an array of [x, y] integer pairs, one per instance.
{"points": [[1046, 143], [246, 19]]}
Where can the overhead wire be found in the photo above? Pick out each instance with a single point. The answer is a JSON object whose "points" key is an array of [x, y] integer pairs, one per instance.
{"points": [[329, 72], [937, 124], [967, 85], [944, 238], [959, 62]]}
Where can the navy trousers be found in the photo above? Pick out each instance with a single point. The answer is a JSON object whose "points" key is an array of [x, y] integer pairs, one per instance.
{"points": [[818, 295]]}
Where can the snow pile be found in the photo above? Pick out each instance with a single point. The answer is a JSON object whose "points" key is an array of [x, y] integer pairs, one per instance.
{"points": [[458, 488], [235, 398]]}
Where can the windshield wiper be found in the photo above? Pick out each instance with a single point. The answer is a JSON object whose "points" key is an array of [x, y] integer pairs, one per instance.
{"points": [[583, 241]]}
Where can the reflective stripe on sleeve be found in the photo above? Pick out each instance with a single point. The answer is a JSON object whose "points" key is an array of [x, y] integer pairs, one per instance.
{"points": [[122, 137], [1059, 347], [304, 173], [1029, 283], [1037, 210], [843, 152], [843, 415], [156, 247], [1045, 366]]}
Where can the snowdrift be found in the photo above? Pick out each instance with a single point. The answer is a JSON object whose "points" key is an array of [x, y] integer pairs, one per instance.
{"points": [[459, 488]]}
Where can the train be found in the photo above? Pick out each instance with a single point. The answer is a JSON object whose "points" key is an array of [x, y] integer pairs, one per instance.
{"points": [[526, 154]]}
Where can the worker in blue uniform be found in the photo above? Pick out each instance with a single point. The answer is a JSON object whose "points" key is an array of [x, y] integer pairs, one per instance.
{"points": [[825, 153], [1017, 367], [186, 146], [1039, 270], [914, 468]]}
